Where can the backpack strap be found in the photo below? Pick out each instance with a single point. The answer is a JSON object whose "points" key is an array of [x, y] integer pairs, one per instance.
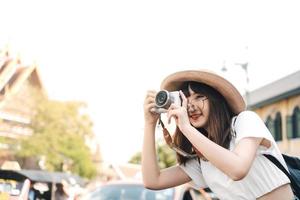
{"points": [[278, 164], [282, 168], [233, 125]]}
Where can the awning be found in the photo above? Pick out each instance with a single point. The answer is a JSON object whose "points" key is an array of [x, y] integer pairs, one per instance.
{"points": [[41, 176]]}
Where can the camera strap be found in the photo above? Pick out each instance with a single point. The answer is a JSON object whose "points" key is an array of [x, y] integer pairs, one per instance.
{"points": [[170, 143]]}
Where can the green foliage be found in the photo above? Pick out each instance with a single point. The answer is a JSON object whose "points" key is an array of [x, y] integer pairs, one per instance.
{"points": [[136, 158], [59, 130], [166, 156], [2, 140]]}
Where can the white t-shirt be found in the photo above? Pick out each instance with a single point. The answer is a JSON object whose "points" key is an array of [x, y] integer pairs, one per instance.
{"points": [[263, 175]]}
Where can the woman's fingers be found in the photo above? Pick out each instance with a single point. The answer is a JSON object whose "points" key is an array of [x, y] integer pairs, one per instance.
{"points": [[158, 110], [184, 99], [171, 113], [150, 105], [173, 106], [176, 111], [150, 96], [149, 100], [151, 93]]}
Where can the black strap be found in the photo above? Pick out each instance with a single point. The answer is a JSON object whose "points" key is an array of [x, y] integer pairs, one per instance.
{"points": [[279, 165], [161, 122], [294, 184]]}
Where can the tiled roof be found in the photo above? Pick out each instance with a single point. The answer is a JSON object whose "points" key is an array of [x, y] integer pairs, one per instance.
{"points": [[13, 74], [4, 63], [285, 87], [16, 75]]}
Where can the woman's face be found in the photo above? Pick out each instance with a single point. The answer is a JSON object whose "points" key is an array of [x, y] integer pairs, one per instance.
{"points": [[198, 109]]}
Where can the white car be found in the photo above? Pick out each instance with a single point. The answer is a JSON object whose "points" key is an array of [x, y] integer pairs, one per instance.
{"points": [[135, 190]]}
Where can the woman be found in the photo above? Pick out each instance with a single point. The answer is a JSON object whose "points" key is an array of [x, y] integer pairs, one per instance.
{"points": [[229, 142]]}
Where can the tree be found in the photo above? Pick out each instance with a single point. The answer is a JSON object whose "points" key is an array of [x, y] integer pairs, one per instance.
{"points": [[59, 131], [166, 156]]}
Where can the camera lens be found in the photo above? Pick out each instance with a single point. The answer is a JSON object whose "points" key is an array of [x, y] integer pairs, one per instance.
{"points": [[161, 98]]}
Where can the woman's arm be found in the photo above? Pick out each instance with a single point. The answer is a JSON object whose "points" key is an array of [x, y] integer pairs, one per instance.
{"points": [[236, 163], [153, 177]]}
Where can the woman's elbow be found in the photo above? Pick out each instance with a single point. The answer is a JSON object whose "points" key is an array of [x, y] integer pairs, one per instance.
{"points": [[150, 185], [147, 184], [239, 174]]}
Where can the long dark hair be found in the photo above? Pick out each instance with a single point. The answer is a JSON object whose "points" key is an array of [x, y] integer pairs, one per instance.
{"points": [[219, 119]]}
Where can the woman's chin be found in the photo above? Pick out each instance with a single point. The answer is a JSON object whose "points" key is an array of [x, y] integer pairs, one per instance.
{"points": [[196, 123]]}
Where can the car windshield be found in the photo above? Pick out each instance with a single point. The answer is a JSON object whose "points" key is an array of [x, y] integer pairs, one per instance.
{"points": [[130, 192]]}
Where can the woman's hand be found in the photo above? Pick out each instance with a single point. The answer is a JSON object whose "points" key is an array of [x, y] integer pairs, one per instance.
{"points": [[180, 114], [150, 115]]}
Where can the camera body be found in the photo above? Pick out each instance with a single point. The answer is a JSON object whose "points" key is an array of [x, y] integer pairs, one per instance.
{"points": [[164, 99]]}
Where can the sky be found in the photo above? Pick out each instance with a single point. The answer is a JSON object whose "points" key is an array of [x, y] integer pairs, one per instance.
{"points": [[109, 53]]}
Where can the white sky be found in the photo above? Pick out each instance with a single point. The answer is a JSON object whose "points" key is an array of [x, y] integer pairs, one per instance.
{"points": [[108, 53]]}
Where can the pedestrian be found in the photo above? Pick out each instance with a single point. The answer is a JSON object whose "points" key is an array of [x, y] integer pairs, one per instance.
{"points": [[219, 144], [61, 192]]}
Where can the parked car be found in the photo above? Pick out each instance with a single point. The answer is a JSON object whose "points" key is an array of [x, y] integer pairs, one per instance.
{"points": [[135, 190]]}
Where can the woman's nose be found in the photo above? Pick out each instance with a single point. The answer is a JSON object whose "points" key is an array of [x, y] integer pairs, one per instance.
{"points": [[191, 107]]}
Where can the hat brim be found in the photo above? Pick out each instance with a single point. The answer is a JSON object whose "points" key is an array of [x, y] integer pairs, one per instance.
{"points": [[231, 94]]}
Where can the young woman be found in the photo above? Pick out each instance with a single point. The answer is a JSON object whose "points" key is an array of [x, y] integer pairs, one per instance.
{"points": [[229, 142]]}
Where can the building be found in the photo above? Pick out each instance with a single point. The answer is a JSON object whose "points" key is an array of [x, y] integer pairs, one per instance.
{"points": [[278, 104], [18, 85]]}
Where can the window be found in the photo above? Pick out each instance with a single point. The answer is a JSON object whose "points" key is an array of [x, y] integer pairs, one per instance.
{"points": [[127, 191], [278, 127], [296, 123], [289, 126], [270, 124]]}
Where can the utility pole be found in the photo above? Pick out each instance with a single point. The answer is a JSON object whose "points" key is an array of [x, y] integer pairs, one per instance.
{"points": [[244, 66]]}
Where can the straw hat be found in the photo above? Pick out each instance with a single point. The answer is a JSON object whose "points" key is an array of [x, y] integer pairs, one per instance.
{"points": [[224, 87]]}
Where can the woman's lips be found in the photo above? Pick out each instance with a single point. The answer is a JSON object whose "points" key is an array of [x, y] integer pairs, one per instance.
{"points": [[195, 116]]}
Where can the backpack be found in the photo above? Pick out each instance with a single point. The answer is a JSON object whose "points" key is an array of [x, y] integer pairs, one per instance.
{"points": [[293, 164]]}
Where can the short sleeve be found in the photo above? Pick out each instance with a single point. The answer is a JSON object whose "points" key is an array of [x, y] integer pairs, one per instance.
{"points": [[249, 124], [193, 169]]}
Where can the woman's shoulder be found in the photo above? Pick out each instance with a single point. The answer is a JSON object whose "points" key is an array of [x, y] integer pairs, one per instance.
{"points": [[249, 116], [247, 113], [248, 123]]}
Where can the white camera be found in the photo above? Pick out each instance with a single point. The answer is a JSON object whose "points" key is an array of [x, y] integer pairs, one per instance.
{"points": [[164, 99]]}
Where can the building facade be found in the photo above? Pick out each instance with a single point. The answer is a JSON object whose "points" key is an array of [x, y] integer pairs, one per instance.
{"points": [[16, 100], [278, 104]]}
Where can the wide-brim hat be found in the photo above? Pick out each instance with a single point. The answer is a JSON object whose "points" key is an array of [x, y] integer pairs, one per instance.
{"points": [[233, 97]]}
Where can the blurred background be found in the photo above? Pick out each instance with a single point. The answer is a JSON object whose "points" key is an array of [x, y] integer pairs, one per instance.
{"points": [[74, 74]]}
